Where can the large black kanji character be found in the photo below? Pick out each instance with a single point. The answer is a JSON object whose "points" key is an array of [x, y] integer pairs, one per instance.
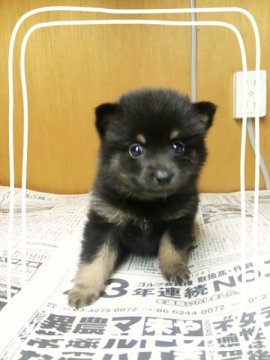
{"points": [[32, 355], [259, 355], [56, 325], [247, 332], [126, 322], [195, 291], [228, 340], [231, 355], [45, 343], [266, 312], [77, 356], [143, 292], [223, 325], [247, 319], [91, 325], [170, 292], [158, 326], [83, 343]]}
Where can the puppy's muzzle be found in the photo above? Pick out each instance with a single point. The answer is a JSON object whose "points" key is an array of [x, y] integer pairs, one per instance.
{"points": [[162, 176]]}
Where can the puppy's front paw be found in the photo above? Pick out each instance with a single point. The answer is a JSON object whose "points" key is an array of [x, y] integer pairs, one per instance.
{"points": [[88, 285], [176, 272], [173, 262], [80, 296]]}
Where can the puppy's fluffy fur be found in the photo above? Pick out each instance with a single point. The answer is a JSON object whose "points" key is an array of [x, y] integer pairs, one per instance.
{"points": [[145, 196]]}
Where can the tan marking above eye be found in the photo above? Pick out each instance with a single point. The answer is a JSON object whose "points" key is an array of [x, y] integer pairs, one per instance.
{"points": [[115, 162], [194, 155], [175, 134], [141, 139]]}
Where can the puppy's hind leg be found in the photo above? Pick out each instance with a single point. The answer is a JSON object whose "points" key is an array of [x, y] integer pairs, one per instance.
{"points": [[92, 275]]}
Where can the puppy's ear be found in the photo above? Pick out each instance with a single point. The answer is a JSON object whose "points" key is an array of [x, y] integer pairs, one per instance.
{"points": [[104, 113], [207, 111]]}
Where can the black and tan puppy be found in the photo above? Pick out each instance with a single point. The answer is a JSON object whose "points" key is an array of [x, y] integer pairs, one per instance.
{"points": [[145, 196]]}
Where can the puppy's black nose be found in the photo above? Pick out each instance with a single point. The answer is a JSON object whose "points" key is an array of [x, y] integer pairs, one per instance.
{"points": [[162, 176]]}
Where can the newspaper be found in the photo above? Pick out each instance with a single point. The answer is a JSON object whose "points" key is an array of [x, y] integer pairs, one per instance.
{"points": [[221, 312]]}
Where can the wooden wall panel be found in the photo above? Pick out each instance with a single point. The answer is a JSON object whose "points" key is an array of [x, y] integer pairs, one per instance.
{"points": [[70, 70], [219, 58]]}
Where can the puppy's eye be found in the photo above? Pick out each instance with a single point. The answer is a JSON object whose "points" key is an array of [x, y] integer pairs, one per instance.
{"points": [[178, 147], [135, 150]]}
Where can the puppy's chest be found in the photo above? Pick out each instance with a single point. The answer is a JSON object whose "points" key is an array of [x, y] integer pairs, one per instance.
{"points": [[144, 218], [138, 229], [140, 238]]}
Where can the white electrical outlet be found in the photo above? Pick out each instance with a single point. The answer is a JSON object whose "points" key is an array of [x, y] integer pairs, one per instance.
{"points": [[238, 94]]}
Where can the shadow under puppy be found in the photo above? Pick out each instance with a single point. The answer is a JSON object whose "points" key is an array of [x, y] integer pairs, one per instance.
{"points": [[145, 195]]}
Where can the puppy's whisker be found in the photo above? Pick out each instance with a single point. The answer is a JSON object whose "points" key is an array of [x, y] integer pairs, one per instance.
{"points": [[189, 159], [192, 160]]}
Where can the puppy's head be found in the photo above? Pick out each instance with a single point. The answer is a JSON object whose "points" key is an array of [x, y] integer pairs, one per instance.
{"points": [[152, 142]]}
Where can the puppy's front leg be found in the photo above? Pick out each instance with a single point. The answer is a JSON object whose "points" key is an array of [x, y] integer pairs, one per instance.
{"points": [[174, 246], [98, 259]]}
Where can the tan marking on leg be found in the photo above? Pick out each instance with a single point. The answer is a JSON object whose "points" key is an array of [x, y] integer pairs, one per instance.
{"points": [[173, 262], [91, 277], [175, 134], [141, 138]]}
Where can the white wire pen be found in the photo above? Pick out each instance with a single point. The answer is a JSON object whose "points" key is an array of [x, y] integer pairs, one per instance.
{"points": [[122, 22]]}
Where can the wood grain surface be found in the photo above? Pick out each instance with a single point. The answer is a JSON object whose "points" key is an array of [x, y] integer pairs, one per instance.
{"points": [[70, 70]]}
